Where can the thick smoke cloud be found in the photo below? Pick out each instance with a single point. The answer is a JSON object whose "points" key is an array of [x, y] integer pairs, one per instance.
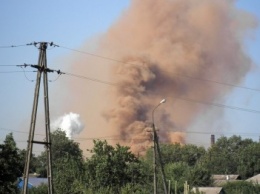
{"points": [[160, 42]]}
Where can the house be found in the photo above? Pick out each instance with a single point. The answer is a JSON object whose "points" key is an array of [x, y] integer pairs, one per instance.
{"points": [[208, 190], [255, 179], [32, 182], [219, 180]]}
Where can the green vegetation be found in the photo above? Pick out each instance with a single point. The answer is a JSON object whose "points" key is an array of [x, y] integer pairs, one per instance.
{"points": [[10, 166], [115, 169], [241, 187]]}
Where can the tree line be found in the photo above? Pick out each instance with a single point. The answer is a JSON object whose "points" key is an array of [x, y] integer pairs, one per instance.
{"points": [[115, 169]]}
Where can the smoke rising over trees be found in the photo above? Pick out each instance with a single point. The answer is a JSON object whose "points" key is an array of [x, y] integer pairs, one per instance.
{"points": [[156, 41]]}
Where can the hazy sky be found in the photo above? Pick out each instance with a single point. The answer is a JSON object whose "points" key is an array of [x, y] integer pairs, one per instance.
{"points": [[74, 23]]}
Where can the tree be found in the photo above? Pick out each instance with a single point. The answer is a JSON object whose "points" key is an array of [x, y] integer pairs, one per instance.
{"points": [[10, 165], [249, 161], [177, 173], [181, 162], [67, 164], [113, 168], [172, 153], [224, 156], [41, 189], [241, 187], [34, 163], [199, 176], [180, 172]]}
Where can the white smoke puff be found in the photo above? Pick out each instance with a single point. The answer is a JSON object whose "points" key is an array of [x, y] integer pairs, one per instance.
{"points": [[69, 123]]}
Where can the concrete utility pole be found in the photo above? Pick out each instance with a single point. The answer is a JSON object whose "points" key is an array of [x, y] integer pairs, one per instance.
{"points": [[154, 162], [161, 164], [156, 151], [42, 68]]}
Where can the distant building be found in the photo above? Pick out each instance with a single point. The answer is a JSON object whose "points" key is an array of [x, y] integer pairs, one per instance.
{"points": [[33, 181], [219, 180], [208, 190], [255, 179]]}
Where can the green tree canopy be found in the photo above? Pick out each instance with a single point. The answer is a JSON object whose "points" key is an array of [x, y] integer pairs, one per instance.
{"points": [[67, 164], [241, 187], [10, 168], [113, 167], [224, 156], [172, 153], [249, 161]]}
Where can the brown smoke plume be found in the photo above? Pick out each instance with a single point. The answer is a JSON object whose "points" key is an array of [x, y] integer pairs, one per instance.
{"points": [[161, 42]]}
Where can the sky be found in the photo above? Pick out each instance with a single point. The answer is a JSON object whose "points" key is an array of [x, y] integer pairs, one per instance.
{"points": [[236, 122], [73, 24]]}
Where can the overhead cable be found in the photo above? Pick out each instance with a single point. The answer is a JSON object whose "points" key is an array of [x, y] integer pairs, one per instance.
{"points": [[177, 74], [89, 78], [13, 46], [16, 71], [117, 137], [219, 105]]}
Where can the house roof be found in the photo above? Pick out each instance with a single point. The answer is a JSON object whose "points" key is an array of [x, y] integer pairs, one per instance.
{"points": [[219, 180], [34, 175], [208, 190], [255, 179], [225, 177], [33, 182], [37, 181]]}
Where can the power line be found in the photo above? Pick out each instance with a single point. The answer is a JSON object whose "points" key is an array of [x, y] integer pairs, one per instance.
{"points": [[16, 131], [91, 79], [116, 84], [24, 72], [54, 80], [28, 44], [67, 73], [14, 46], [30, 80], [94, 55], [219, 105], [119, 61], [177, 74], [185, 99], [104, 137], [217, 82], [22, 66], [117, 137], [16, 71], [7, 65], [223, 133], [114, 139], [181, 98], [59, 73]]}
